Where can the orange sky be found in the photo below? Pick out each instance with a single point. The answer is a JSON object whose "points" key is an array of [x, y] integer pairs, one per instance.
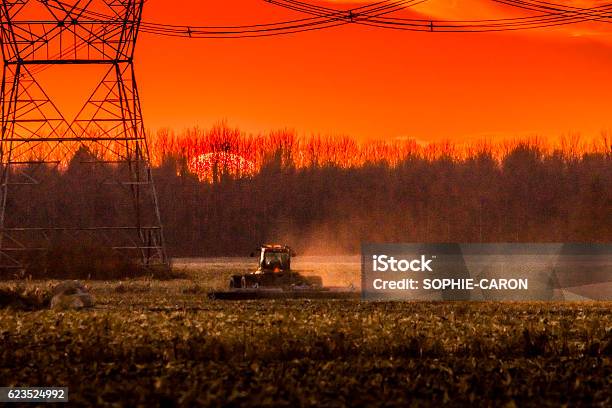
{"points": [[373, 83]]}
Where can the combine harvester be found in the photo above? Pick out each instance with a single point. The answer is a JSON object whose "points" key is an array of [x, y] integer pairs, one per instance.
{"points": [[274, 279]]}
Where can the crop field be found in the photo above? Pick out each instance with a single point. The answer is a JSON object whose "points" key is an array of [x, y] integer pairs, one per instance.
{"points": [[150, 343]]}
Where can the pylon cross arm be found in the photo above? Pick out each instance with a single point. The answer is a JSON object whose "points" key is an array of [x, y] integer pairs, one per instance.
{"points": [[77, 34]]}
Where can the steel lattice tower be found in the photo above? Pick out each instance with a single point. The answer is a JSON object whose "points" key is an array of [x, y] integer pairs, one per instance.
{"points": [[106, 139]]}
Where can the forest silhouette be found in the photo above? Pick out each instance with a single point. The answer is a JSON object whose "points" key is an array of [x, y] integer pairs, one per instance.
{"points": [[222, 192]]}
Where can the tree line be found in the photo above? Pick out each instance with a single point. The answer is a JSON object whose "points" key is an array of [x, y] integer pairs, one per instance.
{"points": [[525, 194]]}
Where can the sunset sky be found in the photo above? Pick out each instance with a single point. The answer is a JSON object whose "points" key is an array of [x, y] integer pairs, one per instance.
{"points": [[373, 83]]}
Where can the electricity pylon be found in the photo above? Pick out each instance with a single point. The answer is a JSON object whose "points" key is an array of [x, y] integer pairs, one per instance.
{"points": [[106, 140]]}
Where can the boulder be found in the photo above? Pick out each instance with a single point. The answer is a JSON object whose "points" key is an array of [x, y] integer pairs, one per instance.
{"points": [[71, 295]]}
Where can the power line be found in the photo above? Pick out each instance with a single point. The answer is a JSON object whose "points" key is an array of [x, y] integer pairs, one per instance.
{"points": [[322, 18], [376, 15], [553, 15], [373, 15], [325, 18]]}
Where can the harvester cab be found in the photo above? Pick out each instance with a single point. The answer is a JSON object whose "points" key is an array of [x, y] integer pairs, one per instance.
{"points": [[274, 258]]}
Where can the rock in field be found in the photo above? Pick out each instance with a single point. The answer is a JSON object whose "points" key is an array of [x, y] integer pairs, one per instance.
{"points": [[71, 295]]}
